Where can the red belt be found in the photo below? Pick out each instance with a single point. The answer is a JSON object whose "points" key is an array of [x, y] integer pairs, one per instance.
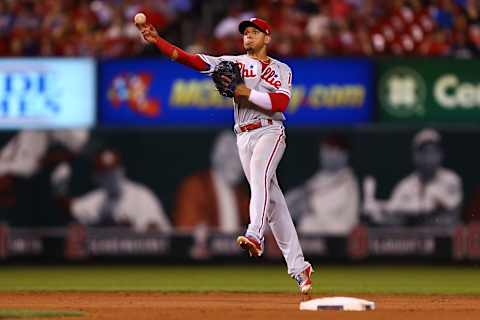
{"points": [[255, 125]]}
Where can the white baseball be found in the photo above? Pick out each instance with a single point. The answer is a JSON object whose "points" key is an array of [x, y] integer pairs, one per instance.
{"points": [[140, 18]]}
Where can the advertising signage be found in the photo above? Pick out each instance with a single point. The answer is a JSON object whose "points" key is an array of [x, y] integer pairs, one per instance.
{"points": [[439, 90], [47, 93], [331, 91], [158, 92]]}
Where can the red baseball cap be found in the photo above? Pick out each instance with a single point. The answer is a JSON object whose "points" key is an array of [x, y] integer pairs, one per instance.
{"points": [[260, 24]]}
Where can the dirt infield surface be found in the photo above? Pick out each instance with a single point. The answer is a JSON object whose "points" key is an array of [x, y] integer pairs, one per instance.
{"points": [[231, 306]]}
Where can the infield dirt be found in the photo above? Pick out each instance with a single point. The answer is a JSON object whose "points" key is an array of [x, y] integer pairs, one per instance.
{"points": [[231, 306]]}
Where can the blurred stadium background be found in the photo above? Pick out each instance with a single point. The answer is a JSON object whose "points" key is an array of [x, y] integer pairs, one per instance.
{"points": [[111, 152]]}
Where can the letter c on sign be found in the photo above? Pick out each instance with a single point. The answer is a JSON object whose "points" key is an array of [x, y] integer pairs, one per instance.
{"points": [[440, 91]]}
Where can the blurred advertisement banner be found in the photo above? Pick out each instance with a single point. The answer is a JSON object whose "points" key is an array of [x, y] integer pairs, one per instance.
{"points": [[161, 92], [417, 90], [47, 93], [79, 242], [331, 91]]}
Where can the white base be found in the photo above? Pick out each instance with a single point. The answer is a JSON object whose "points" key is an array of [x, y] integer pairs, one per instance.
{"points": [[337, 303]]}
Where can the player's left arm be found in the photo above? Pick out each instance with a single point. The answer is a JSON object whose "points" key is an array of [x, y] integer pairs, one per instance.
{"points": [[272, 101]]}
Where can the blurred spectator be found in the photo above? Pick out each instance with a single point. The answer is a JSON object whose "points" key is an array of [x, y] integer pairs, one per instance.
{"points": [[317, 25], [340, 10], [300, 27], [199, 44], [472, 12], [228, 26], [461, 47], [216, 197], [443, 13], [226, 31], [474, 37], [431, 195], [328, 202], [118, 200], [26, 163], [317, 29], [435, 44], [6, 20]]}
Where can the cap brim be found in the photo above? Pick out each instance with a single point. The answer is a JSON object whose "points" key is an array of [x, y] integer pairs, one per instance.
{"points": [[247, 23]]}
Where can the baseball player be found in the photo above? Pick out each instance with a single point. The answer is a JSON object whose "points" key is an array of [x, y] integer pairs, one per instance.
{"points": [[119, 200], [328, 202], [258, 105], [431, 195]]}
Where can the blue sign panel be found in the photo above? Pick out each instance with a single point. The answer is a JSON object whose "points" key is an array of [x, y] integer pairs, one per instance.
{"points": [[331, 91], [47, 93], [161, 92]]}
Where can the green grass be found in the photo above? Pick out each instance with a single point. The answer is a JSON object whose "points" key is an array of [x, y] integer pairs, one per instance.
{"points": [[248, 278], [18, 314]]}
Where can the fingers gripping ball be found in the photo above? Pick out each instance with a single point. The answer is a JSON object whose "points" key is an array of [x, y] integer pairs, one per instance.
{"points": [[140, 18], [227, 77]]}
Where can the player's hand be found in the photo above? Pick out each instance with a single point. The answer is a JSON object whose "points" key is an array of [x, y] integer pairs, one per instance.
{"points": [[242, 90], [148, 32]]}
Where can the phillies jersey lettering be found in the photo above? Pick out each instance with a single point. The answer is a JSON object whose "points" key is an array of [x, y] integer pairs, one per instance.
{"points": [[270, 76], [277, 77], [246, 72]]}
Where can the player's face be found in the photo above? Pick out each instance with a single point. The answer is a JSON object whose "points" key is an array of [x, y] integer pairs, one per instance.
{"points": [[254, 39], [428, 159]]}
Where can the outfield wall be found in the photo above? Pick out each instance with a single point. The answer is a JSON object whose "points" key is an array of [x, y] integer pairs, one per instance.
{"points": [[163, 159]]}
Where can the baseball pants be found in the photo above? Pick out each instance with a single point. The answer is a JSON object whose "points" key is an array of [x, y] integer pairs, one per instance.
{"points": [[260, 152]]}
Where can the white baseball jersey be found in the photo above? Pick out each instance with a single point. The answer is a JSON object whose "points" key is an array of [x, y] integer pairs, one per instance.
{"points": [[137, 205], [275, 77], [411, 196]]}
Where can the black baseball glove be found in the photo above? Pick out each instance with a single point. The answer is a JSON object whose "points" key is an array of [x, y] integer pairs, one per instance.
{"points": [[227, 77]]}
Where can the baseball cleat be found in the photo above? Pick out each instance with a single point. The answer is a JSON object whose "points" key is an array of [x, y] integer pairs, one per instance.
{"points": [[304, 280], [250, 244]]}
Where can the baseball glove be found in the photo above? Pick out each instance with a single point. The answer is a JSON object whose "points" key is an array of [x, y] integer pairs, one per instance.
{"points": [[227, 77]]}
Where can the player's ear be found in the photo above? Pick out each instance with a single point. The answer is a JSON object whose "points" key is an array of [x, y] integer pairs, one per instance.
{"points": [[267, 39]]}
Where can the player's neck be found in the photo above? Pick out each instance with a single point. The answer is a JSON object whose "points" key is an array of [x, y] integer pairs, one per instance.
{"points": [[260, 55]]}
